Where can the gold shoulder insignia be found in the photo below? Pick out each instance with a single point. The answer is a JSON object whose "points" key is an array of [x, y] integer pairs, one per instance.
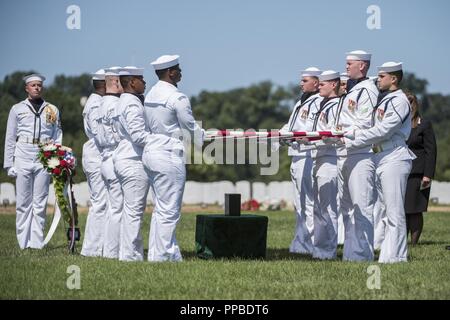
{"points": [[50, 114]]}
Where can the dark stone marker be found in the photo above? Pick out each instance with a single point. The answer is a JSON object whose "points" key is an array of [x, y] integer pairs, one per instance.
{"points": [[233, 204]]}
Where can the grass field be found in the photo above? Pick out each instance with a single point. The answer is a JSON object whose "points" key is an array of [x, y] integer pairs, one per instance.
{"points": [[42, 274]]}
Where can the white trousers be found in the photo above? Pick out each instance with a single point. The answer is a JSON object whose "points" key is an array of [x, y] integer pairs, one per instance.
{"points": [[379, 217], [325, 208], [135, 184], [301, 175], [32, 185], [167, 174], [356, 174], [112, 222], [95, 223], [392, 172], [341, 229]]}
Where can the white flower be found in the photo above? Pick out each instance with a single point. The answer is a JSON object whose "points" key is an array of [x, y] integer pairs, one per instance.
{"points": [[49, 147], [53, 162], [67, 149]]}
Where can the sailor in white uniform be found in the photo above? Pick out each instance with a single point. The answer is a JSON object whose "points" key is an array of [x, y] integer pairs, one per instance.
{"points": [[325, 170], [392, 157], [108, 138], [169, 117], [92, 160], [341, 232], [127, 157], [356, 170], [30, 122], [302, 119]]}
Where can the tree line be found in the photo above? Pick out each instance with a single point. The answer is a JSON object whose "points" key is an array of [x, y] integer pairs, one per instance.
{"points": [[262, 105]]}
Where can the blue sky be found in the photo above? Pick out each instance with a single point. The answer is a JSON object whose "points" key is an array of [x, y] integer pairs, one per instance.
{"points": [[225, 44]]}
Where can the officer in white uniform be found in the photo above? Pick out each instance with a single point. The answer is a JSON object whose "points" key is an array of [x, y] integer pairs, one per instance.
{"points": [[302, 119], [127, 157], [169, 117], [356, 169], [325, 170], [108, 138], [341, 232], [30, 122], [92, 160], [392, 157]]}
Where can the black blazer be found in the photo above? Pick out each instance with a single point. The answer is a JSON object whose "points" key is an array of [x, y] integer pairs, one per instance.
{"points": [[422, 142]]}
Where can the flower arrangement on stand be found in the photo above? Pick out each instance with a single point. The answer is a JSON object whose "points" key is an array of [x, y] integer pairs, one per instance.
{"points": [[60, 162]]}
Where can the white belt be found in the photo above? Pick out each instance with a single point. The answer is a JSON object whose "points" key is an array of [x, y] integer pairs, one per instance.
{"points": [[31, 140], [387, 145]]}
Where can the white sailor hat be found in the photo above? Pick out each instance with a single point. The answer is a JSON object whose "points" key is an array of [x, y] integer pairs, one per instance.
{"points": [[165, 61], [131, 71], [329, 75], [344, 76], [311, 72], [98, 75], [112, 71], [358, 55], [390, 67], [33, 77]]}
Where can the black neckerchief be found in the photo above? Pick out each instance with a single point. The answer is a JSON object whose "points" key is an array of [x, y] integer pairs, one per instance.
{"points": [[36, 103], [141, 97], [306, 95], [381, 96], [113, 94], [352, 82], [324, 102]]}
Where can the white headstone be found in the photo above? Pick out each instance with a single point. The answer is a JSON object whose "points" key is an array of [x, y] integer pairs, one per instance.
{"points": [[440, 190], [243, 187], [7, 193], [193, 193], [260, 191]]}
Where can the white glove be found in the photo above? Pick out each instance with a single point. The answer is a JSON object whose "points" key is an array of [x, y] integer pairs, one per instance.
{"points": [[350, 134], [12, 172], [330, 140]]}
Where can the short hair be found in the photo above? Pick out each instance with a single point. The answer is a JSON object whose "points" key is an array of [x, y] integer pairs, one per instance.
{"points": [[125, 81], [338, 84], [98, 84], [398, 74], [160, 73]]}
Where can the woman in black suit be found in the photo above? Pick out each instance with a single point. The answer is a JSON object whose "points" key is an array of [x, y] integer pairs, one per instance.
{"points": [[423, 143]]}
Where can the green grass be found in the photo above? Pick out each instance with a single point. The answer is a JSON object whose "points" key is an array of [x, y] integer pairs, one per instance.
{"points": [[42, 274]]}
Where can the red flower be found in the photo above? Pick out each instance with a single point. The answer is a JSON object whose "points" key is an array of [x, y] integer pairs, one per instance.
{"points": [[56, 171], [63, 163], [47, 154], [61, 153]]}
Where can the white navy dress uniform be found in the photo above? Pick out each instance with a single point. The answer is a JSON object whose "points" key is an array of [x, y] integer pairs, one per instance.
{"points": [[108, 139], [341, 230], [302, 119], [393, 162], [127, 157], [92, 160], [26, 128], [356, 169], [325, 179], [169, 116]]}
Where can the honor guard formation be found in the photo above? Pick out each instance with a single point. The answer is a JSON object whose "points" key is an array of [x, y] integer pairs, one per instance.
{"points": [[352, 186]]}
